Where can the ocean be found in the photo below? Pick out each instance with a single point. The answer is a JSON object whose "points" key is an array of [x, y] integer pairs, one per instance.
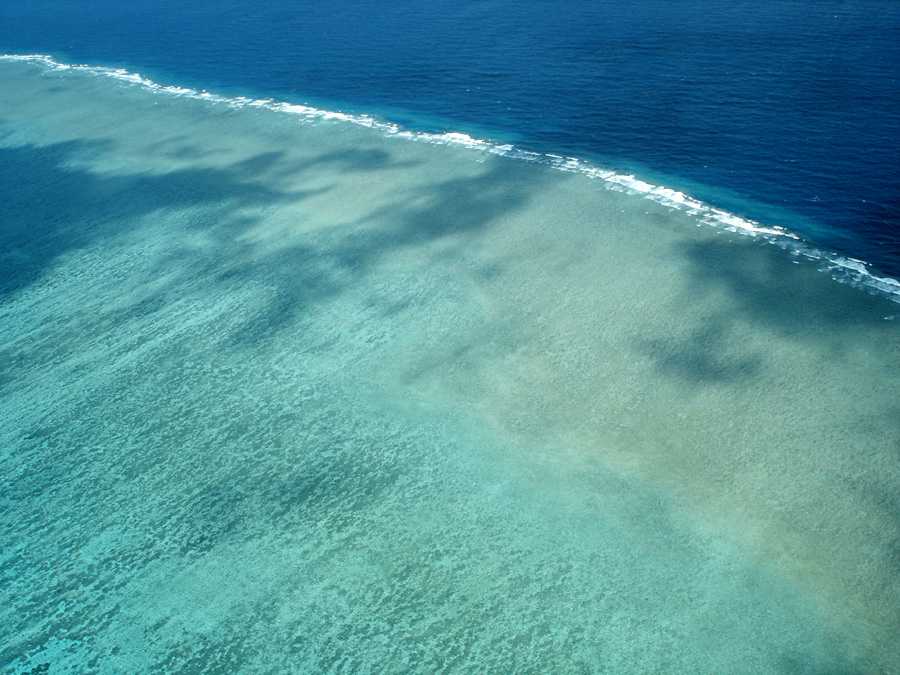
{"points": [[483, 337], [781, 111]]}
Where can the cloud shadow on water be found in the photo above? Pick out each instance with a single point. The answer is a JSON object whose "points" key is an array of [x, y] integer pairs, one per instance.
{"points": [[704, 357], [735, 283], [50, 205], [452, 208]]}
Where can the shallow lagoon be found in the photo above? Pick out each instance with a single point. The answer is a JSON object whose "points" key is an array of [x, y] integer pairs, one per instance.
{"points": [[281, 395]]}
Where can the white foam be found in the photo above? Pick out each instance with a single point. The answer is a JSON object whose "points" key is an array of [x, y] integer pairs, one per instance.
{"points": [[841, 268]]}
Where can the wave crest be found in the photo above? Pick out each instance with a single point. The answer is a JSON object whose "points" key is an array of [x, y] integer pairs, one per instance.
{"points": [[840, 267]]}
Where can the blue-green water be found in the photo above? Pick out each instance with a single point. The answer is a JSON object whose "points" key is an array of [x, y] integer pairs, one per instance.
{"points": [[288, 394], [784, 111]]}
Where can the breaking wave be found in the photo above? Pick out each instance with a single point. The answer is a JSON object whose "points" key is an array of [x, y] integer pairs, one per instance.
{"points": [[840, 267]]}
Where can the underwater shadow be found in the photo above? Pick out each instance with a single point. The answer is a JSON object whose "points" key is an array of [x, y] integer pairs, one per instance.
{"points": [[705, 357], [357, 160], [51, 205], [798, 665], [752, 283], [53, 202], [462, 207], [767, 287]]}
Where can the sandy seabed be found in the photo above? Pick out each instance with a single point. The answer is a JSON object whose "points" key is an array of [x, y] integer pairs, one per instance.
{"points": [[292, 396]]}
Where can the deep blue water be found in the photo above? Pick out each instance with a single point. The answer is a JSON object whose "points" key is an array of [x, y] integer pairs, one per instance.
{"points": [[780, 110]]}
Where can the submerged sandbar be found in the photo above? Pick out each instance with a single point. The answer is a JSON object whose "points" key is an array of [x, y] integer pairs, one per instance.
{"points": [[290, 394]]}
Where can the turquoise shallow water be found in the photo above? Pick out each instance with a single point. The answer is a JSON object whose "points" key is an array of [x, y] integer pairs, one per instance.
{"points": [[778, 110], [291, 396]]}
